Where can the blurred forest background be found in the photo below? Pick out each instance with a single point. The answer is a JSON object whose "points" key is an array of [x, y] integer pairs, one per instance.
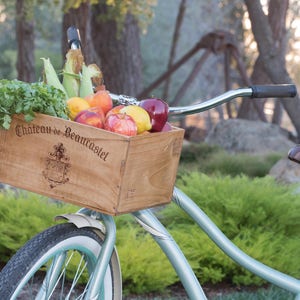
{"points": [[183, 51], [178, 50]]}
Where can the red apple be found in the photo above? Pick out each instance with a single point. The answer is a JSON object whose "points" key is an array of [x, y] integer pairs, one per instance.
{"points": [[114, 110], [121, 123], [158, 111], [90, 117], [167, 127]]}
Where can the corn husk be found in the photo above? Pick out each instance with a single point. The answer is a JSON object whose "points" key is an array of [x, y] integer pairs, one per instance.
{"points": [[50, 76], [88, 73], [71, 72]]}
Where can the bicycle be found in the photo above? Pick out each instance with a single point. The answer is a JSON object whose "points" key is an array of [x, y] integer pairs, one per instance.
{"points": [[87, 240]]}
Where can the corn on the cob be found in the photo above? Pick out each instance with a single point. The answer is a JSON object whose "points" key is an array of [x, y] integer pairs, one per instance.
{"points": [[86, 86], [51, 77], [97, 78], [72, 68]]}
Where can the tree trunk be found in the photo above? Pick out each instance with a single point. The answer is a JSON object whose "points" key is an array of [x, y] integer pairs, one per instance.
{"points": [[253, 109], [119, 52], [272, 54], [25, 40], [276, 19], [179, 21]]}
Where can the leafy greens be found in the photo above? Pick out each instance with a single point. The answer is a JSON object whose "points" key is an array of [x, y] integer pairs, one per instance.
{"points": [[18, 97]]}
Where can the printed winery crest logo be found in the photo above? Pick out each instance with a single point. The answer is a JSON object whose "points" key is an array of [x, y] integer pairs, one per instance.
{"points": [[57, 166]]}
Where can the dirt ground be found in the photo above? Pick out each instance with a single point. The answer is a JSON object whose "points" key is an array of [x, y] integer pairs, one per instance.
{"points": [[177, 292]]}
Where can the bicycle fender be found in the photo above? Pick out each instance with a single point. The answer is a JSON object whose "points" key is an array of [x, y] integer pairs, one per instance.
{"points": [[81, 220]]}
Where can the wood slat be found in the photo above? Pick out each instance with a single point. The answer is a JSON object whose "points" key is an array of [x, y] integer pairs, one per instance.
{"points": [[90, 167]]}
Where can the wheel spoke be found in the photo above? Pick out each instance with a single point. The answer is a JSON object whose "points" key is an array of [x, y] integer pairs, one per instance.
{"points": [[58, 265], [80, 269], [80, 297], [54, 273]]}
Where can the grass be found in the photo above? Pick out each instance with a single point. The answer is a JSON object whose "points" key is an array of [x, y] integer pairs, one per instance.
{"points": [[212, 159]]}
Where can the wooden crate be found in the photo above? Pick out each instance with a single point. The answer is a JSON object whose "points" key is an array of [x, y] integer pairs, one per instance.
{"points": [[90, 167]]}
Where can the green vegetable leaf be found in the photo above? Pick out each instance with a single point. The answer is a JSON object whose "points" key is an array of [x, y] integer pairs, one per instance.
{"points": [[18, 97], [6, 121]]}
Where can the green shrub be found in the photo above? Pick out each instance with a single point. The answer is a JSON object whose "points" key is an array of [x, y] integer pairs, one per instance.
{"points": [[144, 267], [198, 152], [237, 164], [212, 159], [22, 215], [258, 215]]}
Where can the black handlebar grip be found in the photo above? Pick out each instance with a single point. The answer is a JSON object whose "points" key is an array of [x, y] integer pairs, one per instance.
{"points": [[73, 37], [274, 91]]}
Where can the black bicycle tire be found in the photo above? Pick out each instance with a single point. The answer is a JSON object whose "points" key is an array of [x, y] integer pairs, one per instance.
{"points": [[24, 259]]}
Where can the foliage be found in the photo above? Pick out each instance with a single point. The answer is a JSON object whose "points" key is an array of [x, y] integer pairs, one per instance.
{"points": [[17, 97], [242, 163], [8, 60], [118, 9], [8, 43], [258, 215], [22, 215], [197, 153], [212, 159], [47, 14], [29, 6], [144, 267]]}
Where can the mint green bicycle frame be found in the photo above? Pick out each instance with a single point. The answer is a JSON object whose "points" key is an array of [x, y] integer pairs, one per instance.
{"points": [[147, 219], [152, 225]]}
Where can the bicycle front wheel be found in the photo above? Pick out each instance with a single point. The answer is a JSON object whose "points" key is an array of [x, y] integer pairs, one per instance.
{"points": [[58, 264]]}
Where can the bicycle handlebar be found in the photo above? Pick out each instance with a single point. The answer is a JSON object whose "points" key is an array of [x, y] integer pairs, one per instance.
{"points": [[274, 91], [73, 38], [255, 91]]}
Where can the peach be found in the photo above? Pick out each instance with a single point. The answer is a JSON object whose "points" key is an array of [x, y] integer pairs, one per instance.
{"points": [[90, 117], [100, 99]]}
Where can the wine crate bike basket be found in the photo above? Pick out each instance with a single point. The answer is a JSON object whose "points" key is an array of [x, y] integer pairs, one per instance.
{"points": [[90, 167]]}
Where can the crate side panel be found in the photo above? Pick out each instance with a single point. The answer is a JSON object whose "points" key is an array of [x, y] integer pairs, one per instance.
{"points": [[151, 170], [64, 160]]}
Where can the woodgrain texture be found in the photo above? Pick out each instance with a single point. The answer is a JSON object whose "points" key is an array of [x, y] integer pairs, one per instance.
{"points": [[90, 167]]}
